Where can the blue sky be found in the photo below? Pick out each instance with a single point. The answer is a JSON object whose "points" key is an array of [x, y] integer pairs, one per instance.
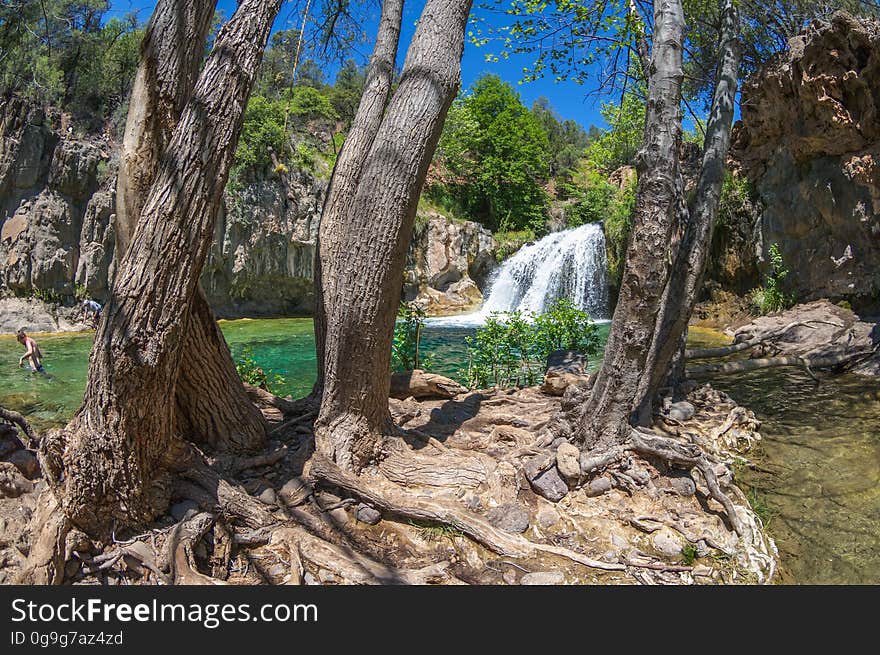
{"points": [[568, 99]]}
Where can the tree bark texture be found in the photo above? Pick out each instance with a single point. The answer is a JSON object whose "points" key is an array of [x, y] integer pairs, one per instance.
{"points": [[665, 363], [608, 411], [363, 251], [211, 401], [349, 164], [111, 467]]}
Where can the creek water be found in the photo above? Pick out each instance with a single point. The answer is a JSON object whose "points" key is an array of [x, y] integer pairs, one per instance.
{"points": [[817, 472]]}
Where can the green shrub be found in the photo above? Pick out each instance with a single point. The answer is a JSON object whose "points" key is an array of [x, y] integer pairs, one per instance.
{"points": [[771, 297], [564, 326], [48, 296], [262, 129], [511, 349], [592, 198], [308, 103], [405, 346], [252, 373], [511, 241], [618, 145]]}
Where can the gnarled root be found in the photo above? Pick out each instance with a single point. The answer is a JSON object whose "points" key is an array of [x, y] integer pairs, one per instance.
{"points": [[475, 527], [14, 417], [351, 566], [178, 551], [684, 454]]}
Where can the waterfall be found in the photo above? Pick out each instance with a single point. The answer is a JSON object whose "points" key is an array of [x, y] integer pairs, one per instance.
{"points": [[569, 264]]}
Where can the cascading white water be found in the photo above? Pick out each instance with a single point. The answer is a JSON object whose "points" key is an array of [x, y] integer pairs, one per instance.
{"points": [[569, 264]]}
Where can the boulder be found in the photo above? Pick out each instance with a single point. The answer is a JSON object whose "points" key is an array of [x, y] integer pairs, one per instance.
{"points": [[447, 264], [548, 484], [366, 514], [564, 368], [681, 411], [568, 461], [547, 517], [667, 542], [509, 517], [815, 330]]}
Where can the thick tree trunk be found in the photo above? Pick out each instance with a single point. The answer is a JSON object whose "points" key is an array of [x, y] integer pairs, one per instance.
{"points": [[349, 164], [171, 53], [109, 468], [608, 411], [665, 365], [211, 401], [363, 253]]}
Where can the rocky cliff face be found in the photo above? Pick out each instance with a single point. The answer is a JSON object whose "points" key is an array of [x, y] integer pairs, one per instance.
{"points": [[809, 140], [55, 226], [57, 209], [448, 264], [262, 260]]}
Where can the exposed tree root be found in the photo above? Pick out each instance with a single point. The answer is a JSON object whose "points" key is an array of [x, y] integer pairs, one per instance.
{"points": [[45, 561], [352, 566], [265, 400], [473, 526], [14, 417], [690, 455], [179, 550]]}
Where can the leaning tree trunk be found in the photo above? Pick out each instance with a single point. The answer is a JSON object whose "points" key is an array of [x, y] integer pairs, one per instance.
{"points": [[608, 411], [211, 401], [109, 467], [666, 359], [349, 164], [363, 253]]}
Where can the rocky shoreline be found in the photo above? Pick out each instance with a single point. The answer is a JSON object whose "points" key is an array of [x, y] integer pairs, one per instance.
{"points": [[36, 316], [641, 523]]}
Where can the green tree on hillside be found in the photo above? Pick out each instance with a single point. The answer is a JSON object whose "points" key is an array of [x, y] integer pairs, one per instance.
{"points": [[497, 154], [567, 139], [64, 53], [617, 146]]}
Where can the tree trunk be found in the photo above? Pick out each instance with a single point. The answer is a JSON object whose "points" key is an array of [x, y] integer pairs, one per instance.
{"points": [[608, 411], [112, 466], [665, 365], [349, 164], [363, 252], [211, 401]]}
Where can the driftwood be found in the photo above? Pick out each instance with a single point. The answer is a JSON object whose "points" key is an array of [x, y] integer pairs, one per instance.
{"points": [[419, 384], [806, 362]]}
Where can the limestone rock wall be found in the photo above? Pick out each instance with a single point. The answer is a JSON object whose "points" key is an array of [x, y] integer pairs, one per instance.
{"points": [[55, 223], [57, 213], [448, 264], [809, 141]]}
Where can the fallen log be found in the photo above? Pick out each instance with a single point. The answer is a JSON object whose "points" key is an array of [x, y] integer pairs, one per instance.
{"points": [[805, 362], [420, 384]]}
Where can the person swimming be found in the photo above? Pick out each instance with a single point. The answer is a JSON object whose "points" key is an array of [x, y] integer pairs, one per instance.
{"points": [[33, 354]]}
